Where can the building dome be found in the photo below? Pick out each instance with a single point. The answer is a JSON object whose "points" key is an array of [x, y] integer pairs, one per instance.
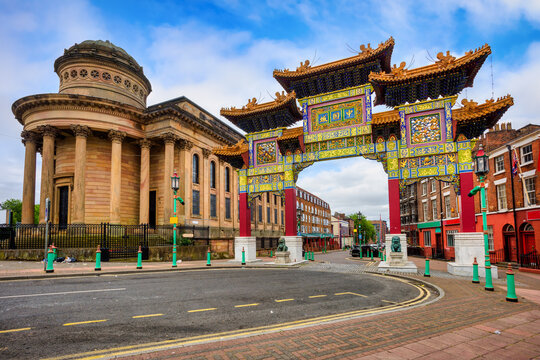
{"points": [[101, 69]]}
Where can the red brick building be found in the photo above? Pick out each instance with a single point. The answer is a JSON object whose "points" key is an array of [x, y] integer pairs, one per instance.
{"points": [[502, 228]]}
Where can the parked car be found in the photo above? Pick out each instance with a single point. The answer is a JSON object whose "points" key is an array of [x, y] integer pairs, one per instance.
{"points": [[355, 251]]}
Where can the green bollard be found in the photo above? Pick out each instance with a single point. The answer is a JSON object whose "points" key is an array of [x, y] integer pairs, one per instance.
{"points": [[371, 254], [50, 260], [510, 285], [426, 272], [243, 256], [385, 256], [98, 259], [54, 251], [271, 254], [489, 281], [306, 255], [174, 256], [139, 258], [475, 278], [361, 256], [208, 258]]}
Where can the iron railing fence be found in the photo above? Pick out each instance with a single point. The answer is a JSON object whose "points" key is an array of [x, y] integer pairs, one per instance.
{"points": [[530, 260], [415, 251], [496, 256]]}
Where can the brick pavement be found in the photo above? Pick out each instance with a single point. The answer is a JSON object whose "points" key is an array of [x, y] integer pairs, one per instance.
{"points": [[462, 324]]}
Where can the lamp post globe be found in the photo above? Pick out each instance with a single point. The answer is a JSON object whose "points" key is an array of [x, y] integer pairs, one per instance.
{"points": [[175, 182], [481, 163]]}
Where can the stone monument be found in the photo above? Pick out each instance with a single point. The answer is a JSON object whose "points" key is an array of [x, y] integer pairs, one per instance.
{"points": [[396, 255], [468, 246], [282, 255]]}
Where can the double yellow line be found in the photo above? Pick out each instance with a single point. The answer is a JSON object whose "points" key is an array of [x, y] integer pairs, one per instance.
{"points": [[163, 345]]}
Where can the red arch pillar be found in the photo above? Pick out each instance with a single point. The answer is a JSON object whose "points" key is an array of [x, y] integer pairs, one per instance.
{"points": [[467, 214], [290, 212], [245, 215], [394, 208]]}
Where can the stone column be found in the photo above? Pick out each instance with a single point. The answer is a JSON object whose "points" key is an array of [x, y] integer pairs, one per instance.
{"points": [[290, 212], [116, 138], [78, 205], [185, 180], [467, 215], [205, 185], [144, 190], [29, 140], [47, 168], [169, 139]]}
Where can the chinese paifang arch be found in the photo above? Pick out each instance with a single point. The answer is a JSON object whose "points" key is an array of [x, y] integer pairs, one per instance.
{"points": [[422, 136]]}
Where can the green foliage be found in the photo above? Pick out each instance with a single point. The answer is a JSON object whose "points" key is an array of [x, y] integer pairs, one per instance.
{"points": [[36, 214], [15, 206], [366, 229]]}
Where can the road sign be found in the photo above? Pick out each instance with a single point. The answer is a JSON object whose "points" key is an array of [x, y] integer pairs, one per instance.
{"points": [[173, 220]]}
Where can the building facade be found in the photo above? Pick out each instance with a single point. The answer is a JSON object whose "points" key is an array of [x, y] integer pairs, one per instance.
{"points": [[430, 209], [512, 183], [315, 214], [108, 157], [381, 229]]}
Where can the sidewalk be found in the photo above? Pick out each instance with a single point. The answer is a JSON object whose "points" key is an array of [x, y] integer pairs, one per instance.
{"points": [[10, 270]]}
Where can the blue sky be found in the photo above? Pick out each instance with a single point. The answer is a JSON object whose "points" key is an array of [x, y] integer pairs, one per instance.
{"points": [[221, 53]]}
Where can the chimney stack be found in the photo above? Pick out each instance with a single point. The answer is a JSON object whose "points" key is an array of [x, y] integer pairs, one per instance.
{"points": [[503, 126], [509, 125]]}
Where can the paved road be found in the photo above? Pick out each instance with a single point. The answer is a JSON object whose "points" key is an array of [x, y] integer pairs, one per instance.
{"points": [[74, 315]]}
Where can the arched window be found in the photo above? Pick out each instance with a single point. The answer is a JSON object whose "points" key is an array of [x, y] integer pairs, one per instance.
{"points": [[227, 179], [195, 169], [212, 174]]}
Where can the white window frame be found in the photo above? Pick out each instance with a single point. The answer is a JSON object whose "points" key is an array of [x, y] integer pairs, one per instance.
{"points": [[434, 211], [499, 164], [433, 185], [424, 187], [448, 206], [501, 205], [427, 243], [525, 198], [490, 237], [425, 210], [523, 155], [450, 235]]}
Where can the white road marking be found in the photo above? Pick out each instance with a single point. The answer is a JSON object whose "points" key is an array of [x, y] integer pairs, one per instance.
{"points": [[61, 293]]}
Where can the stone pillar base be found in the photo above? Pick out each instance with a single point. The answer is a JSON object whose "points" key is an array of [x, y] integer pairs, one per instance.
{"points": [[294, 245], [396, 261], [249, 244], [467, 246], [282, 257]]}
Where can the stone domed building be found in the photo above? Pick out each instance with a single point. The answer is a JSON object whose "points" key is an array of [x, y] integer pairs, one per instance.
{"points": [[107, 157]]}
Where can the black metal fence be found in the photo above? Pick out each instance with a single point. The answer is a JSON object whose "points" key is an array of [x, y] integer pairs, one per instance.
{"points": [[530, 260], [415, 251], [116, 241]]}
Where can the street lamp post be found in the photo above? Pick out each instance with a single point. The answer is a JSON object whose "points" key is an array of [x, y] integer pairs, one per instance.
{"points": [[481, 161], [175, 182]]}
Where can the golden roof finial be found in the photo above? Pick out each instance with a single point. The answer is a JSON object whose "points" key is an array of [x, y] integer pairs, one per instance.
{"points": [[445, 60], [399, 71], [251, 104], [304, 66], [469, 105], [280, 97], [366, 49]]}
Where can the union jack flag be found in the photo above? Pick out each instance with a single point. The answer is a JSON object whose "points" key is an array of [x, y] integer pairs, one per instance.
{"points": [[515, 163]]}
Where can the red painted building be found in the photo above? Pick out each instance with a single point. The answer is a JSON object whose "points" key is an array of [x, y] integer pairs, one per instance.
{"points": [[502, 227]]}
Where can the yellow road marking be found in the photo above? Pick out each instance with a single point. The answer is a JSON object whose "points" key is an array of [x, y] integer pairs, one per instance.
{"points": [[283, 300], [14, 330], [316, 296], [144, 316], [350, 293], [246, 305], [166, 344], [391, 302], [198, 310], [84, 322]]}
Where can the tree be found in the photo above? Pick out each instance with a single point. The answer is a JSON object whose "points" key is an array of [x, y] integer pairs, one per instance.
{"points": [[366, 229], [15, 205]]}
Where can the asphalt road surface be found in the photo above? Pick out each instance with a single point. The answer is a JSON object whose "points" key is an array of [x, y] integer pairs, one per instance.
{"points": [[48, 318]]}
